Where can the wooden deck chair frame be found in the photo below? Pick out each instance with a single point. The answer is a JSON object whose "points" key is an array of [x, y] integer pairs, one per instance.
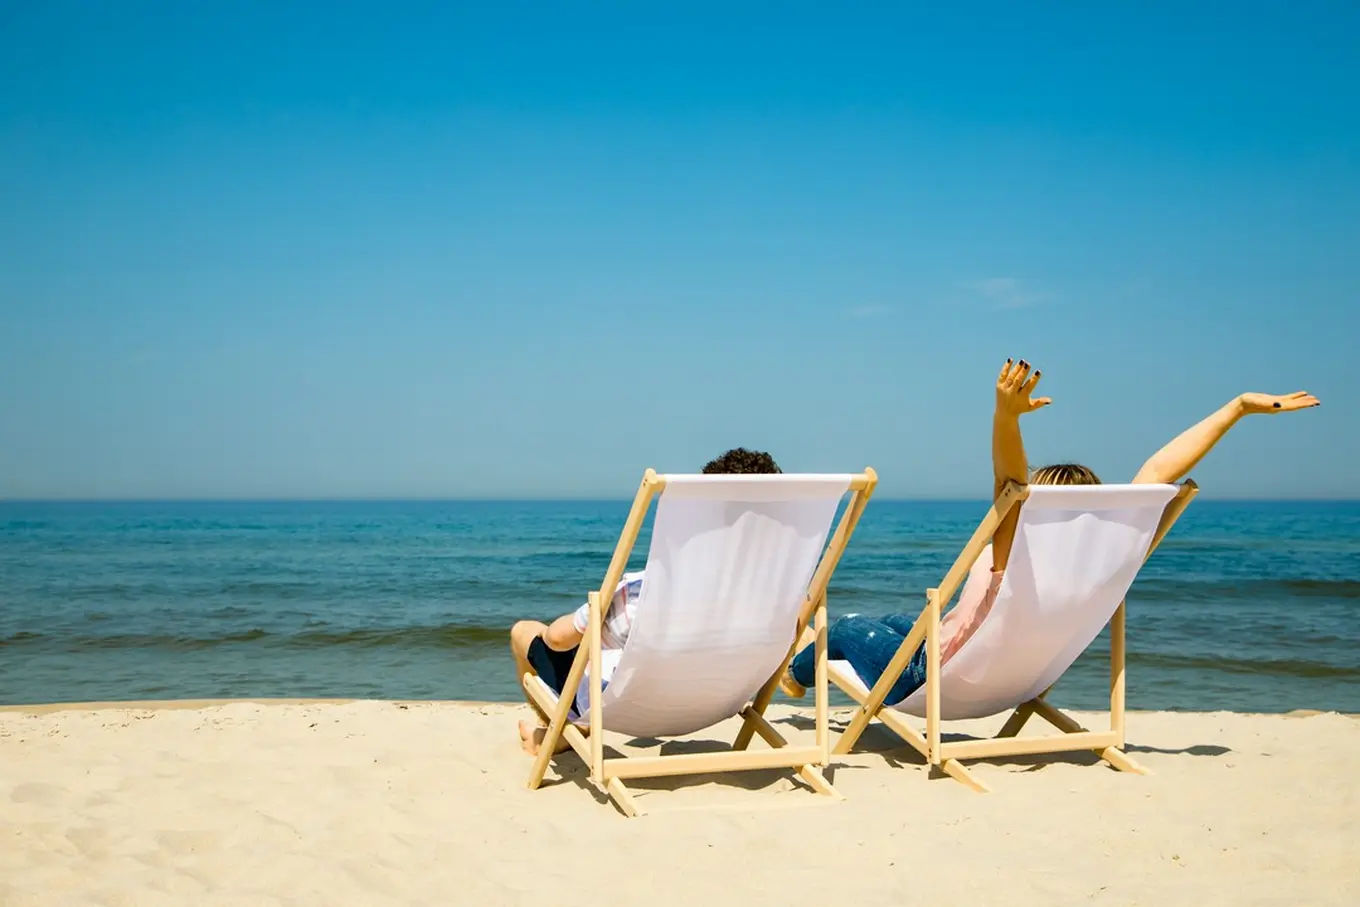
{"points": [[608, 774], [1109, 744]]}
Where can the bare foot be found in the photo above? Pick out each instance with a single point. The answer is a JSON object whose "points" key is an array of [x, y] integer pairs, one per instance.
{"points": [[531, 735]]}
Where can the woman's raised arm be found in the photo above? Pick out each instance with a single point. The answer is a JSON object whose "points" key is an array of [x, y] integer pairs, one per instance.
{"points": [[1178, 457], [1014, 388]]}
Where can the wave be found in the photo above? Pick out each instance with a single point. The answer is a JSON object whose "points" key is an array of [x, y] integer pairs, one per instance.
{"points": [[1181, 590], [1272, 667], [23, 525], [896, 591], [486, 636], [446, 636], [173, 592]]}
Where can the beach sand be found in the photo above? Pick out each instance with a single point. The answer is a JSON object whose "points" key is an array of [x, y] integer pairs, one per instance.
{"points": [[373, 803]]}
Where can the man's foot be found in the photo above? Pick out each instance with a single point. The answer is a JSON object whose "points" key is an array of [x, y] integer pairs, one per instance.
{"points": [[531, 735], [792, 688]]}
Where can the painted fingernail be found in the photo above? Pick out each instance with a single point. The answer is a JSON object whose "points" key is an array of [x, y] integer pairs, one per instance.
{"points": [[1037, 373], [1277, 406]]}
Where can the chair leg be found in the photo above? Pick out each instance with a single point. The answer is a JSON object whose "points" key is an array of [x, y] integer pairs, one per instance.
{"points": [[748, 728], [1016, 722], [955, 769], [622, 796], [845, 743], [817, 781], [1120, 760]]}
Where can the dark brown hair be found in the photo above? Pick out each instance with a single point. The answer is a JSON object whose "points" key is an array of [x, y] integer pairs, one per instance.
{"points": [[739, 460]]}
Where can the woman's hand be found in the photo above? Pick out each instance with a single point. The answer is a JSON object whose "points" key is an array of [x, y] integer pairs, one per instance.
{"points": [[1014, 397], [1270, 404], [1014, 389], [1178, 457]]}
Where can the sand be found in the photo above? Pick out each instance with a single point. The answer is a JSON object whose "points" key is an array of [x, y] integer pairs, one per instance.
{"points": [[373, 803]]}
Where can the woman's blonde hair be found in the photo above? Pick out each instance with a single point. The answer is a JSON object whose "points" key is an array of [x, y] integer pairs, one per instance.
{"points": [[1064, 474]]}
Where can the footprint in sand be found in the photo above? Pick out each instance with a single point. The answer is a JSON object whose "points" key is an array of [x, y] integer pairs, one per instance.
{"points": [[186, 841], [37, 792]]}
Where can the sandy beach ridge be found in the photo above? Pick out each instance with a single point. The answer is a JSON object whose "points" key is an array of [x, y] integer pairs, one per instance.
{"points": [[369, 802]]}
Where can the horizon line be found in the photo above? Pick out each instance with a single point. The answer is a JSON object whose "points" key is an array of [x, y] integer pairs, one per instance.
{"points": [[580, 499]]}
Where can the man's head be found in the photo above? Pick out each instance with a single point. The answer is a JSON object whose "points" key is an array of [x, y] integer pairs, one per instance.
{"points": [[739, 460]]}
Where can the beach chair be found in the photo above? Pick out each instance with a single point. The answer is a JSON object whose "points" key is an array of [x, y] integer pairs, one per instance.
{"points": [[1077, 550], [738, 565]]}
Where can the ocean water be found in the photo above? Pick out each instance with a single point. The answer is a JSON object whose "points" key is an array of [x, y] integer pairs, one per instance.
{"points": [[1246, 606]]}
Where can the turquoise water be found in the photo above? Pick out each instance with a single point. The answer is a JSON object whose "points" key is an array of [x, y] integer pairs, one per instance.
{"points": [[1247, 606]]}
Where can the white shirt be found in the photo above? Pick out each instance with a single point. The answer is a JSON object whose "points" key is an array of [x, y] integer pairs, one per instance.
{"points": [[618, 622], [618, 619]]}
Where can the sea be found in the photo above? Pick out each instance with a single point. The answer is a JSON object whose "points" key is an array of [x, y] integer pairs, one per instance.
{"points": [[1245, 607]]}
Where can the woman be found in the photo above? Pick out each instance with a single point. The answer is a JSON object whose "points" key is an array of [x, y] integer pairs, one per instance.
{"points": [[869, 644]]}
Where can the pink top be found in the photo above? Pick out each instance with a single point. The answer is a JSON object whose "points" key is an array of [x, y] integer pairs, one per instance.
{"points": [[975, 603]]}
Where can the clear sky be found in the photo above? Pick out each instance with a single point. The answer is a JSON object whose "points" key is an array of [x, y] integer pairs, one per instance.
{"points": [[395, 249]]}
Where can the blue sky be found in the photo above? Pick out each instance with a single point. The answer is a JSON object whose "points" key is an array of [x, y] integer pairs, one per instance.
{"points": [[257, 250]]}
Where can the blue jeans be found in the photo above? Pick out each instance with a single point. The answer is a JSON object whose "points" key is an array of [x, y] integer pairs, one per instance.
{"points": [[869, 644]]}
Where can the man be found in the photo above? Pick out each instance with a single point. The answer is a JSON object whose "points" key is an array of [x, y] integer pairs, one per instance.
{"points": [[547, 650]]}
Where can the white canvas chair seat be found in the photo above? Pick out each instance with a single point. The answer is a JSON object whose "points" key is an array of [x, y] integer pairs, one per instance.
{"points": [[736, 567], [1076, 552]]}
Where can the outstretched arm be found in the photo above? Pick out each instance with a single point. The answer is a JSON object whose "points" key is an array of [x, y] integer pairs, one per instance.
{"points": [[1177, 458], [1013, 389]]}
